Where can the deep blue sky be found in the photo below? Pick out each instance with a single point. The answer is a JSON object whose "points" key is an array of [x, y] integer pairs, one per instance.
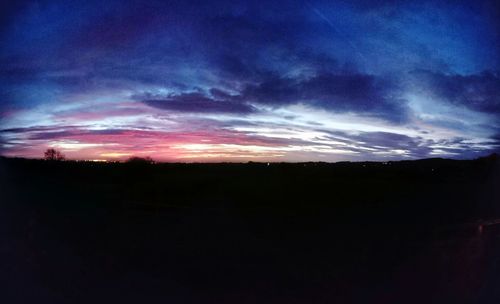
{"points": [[234, 80]]}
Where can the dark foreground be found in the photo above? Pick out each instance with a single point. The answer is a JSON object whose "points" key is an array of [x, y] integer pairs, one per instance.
{"points": [[404, 232]]}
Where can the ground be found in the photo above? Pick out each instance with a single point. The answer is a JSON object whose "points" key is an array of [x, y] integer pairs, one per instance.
{"points": [[396, 232]]}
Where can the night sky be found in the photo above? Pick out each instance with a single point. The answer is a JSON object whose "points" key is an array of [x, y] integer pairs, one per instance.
{"points": [[256, 80]]}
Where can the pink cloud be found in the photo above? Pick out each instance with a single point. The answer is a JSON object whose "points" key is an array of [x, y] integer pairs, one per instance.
{"points": [[119, 144]]}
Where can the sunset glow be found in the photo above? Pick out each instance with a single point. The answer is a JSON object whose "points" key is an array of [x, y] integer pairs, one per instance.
{"points": [[249, 81]]}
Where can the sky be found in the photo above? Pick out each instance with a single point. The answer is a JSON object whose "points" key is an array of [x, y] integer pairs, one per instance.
{"points": [[190, 81]]}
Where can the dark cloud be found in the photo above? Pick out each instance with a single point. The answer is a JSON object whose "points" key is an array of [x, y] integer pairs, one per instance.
{"points": [[33, 129], [71, 133], [359, 93], [479, 92], [56, 132], [380, 143], [355, 92], [199, 103]]}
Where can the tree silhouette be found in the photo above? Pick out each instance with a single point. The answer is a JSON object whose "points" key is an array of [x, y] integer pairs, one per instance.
{"points": [[53, 154]]}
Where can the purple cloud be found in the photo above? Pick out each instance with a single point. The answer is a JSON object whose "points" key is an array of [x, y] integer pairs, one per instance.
{"points": [[479, 92]]}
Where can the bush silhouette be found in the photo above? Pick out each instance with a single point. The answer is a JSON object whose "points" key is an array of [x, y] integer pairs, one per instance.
{"points": [[140, 160]]}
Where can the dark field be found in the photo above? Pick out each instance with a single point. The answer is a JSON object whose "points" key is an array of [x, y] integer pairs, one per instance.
{"points": [[398, 232]]}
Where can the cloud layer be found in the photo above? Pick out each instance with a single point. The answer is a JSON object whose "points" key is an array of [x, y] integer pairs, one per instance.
{"points": [[404, 79]]}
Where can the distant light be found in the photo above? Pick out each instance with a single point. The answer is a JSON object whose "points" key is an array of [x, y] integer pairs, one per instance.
{"points": [[115, 154]]}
